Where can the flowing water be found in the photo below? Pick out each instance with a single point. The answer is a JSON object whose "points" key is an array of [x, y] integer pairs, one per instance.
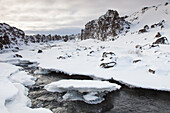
{"points": [[125, 100]]}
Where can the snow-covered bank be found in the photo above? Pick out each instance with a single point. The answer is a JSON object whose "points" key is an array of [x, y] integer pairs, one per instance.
{"points": [[13, 96]]}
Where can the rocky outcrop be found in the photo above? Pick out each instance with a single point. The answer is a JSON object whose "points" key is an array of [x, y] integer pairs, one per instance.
{"points": [[10, 36], [108, 25]]}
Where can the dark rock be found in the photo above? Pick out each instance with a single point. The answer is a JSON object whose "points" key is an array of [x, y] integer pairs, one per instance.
{"points": [[61, 57], [105, 26], [108, 65], [135, 61], [40, 51], [166, 3], [1, 46], [17, 48], [160, 24], [17, 55], [151, 71], [162, 40], [91, 52], [105, 54], [158, 34], [144, 9], [138, 47], [145, 29], [154, 45], [153, 26]]}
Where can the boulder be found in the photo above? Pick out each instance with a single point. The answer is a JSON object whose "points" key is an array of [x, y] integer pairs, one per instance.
{"points": [[162, 40], [158, 34], [108, 65], [151, 71], [40, 51]]}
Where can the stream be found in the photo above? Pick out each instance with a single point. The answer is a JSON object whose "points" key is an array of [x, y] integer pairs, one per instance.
{"points": [[125, 100]]}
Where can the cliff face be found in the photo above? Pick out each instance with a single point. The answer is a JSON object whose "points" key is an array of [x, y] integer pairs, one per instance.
{"points": [[108, 25]]}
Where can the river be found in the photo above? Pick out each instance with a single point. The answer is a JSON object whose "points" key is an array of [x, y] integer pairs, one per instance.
{"points": [[125, 100]]}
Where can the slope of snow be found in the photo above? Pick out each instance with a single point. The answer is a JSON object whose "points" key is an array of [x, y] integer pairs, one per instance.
{"points": [[150, 16]]}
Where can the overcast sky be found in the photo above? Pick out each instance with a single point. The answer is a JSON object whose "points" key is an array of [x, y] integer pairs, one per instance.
{"points": [[62, 16]]}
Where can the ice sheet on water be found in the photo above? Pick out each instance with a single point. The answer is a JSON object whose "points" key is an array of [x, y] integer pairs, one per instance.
{"points": [[89, 91]]}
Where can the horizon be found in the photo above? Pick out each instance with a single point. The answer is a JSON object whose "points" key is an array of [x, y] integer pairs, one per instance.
{"points": [[57, 17]]}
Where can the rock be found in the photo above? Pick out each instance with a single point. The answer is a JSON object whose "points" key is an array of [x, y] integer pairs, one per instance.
{"points": [[154, 45], [135, 61], [138, 47], [145, 29], [105, 54], [105, 26], [166, 3], [108, 60], [17, 55], [160, 24], [61, 57], [158, 34], [10, 36], [162, 40], [144, 9], [40, 51], [151, 71], [17, 48], [108, 65]]}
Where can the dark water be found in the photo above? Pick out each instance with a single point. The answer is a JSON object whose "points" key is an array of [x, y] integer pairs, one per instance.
{"points": [[125, 100]]}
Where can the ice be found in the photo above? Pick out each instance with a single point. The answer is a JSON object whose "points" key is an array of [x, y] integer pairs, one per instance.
{"points": [[23, 78], [21, 103], [89, 91], [81, 86], [13, 96]]}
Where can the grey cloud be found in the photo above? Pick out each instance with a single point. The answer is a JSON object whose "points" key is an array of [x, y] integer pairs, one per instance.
{"points": [[62, 31], [46, 15]]}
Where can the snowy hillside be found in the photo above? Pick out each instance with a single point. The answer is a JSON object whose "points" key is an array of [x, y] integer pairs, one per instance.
{"points": [[137, 57]]}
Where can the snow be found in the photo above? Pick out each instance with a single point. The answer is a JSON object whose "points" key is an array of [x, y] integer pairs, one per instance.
{"points": [[81, 86], [89, 91], [13, 96], [23, 78]]}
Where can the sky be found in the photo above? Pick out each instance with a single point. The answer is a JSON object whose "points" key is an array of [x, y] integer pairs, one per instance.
{"points": [[63, 16]]}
